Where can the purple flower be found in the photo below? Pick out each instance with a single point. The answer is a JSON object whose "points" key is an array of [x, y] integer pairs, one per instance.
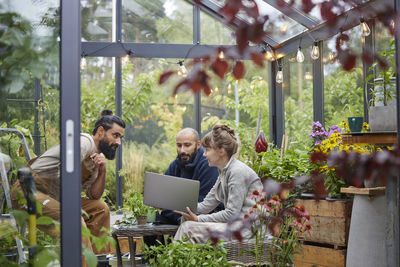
{"points": [[318, 132], [333, 129]]}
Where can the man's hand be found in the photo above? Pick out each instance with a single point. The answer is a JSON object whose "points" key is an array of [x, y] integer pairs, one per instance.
{"points": [[189, 216], [99, 160]]}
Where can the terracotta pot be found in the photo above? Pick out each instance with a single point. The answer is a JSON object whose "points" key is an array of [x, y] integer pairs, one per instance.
{"points": [[141, 220]]}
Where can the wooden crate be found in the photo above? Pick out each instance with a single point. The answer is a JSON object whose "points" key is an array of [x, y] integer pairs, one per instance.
{"points": [[330, 220], [316, 256]]}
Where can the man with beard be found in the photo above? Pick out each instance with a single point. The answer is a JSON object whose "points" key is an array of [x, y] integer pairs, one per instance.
{"points": [[103, 143], [189, 164]]}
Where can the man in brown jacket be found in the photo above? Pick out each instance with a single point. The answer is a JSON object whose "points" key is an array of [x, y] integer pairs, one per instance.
{"points": [[103, 143]]}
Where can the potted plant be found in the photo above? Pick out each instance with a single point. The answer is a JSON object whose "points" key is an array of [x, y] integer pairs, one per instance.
{"points": [[135, 205], [382, 111]]}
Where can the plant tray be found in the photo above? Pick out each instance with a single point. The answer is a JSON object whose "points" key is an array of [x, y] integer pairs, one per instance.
{"points": [[330, 221]]}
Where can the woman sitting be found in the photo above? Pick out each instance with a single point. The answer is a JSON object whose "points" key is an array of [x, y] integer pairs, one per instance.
{"points": [[234, 184]]}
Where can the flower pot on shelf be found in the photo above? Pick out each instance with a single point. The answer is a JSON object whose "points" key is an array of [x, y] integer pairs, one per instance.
{"points": [[382, 118], [141, 220]]}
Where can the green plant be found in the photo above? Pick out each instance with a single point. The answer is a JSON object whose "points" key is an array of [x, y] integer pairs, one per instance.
{"points": [[381, 80], [184, 254], [135, 205]]}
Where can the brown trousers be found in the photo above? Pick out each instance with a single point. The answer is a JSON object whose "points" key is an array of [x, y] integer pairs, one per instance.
{"points": [[98, 216]]}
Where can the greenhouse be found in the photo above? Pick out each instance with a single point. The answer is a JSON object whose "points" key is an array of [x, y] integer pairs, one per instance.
{"points": [[107, 104]]}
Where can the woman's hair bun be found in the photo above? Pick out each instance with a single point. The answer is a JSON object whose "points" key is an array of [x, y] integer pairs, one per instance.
{"points": [[106, 112], [225, 128]]}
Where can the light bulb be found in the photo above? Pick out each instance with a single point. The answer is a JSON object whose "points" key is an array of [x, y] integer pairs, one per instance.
{"points": [[300, 55], [283, 28], [279, 75], [331, 57], [221, 55], [308, 76], [315, 51], [83, 63], [392, 24], [365, 31], [125, 59], [182, 69], [268, 55]]}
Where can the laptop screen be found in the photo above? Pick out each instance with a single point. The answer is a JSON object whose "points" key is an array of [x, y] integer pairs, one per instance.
{"points": [[169, 192]]}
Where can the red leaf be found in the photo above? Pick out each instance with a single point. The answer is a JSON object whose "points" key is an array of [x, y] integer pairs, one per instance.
{"points": [[165, 76], [230, 9], [257, 58], [319, 187], [367, 57], [347, 59], [318, 157], [238, 236], [220, 67], [238, 70], [181, 87], [307, 5], [326, 10]]}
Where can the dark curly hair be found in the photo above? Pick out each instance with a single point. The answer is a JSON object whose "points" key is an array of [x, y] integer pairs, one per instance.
{"points": [[107, 120]]}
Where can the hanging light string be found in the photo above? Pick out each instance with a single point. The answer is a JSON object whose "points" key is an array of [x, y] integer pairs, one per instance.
{"points": [[300, 55], [129, 53]]}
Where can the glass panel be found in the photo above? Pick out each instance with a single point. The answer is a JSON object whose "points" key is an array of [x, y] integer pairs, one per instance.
{"points": [[215, 32], [297, 89], [279, 27], [29, 102], [97, 20], [237, 104], [341, 7], [343, 91], [157, 21]]}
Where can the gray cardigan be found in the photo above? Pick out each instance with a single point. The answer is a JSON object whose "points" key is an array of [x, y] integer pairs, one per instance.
{"points": [[235, 182]]}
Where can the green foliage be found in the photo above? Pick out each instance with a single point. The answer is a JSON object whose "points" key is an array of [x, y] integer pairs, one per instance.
{"points": [[20, 58], [134, 203], [344, 96], [385, 73], [136, 96], [100, 242], [182, 253]]}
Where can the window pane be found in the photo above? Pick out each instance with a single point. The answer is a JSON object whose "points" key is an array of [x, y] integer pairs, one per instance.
{"points": [[215, 32], [158, 21], [297, 89], [238, 103], [97, 20], [29, 102], [343, 91]]}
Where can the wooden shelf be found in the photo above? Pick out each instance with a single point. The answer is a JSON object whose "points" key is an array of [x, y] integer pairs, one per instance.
{"points": [[370, 191], [375, 138]]}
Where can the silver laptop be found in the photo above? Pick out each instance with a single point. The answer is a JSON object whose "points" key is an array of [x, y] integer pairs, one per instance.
{"points": [[169, 192]]}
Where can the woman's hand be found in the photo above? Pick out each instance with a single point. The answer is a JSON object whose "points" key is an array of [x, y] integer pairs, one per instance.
{"points": [[189, 216]]}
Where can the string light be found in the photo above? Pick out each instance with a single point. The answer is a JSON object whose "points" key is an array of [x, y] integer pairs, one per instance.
{"points": [[221, 55], [268, 54], [279, 75], [182, 69], [83, 63], [365, 31], [392, 24], [331, 57], [126, 58], [315, 51], [308, 76], [300, 55]]}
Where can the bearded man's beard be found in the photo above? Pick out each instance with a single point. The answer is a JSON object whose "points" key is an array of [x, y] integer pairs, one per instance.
{"points": [[108, 150], [189, 160]]}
